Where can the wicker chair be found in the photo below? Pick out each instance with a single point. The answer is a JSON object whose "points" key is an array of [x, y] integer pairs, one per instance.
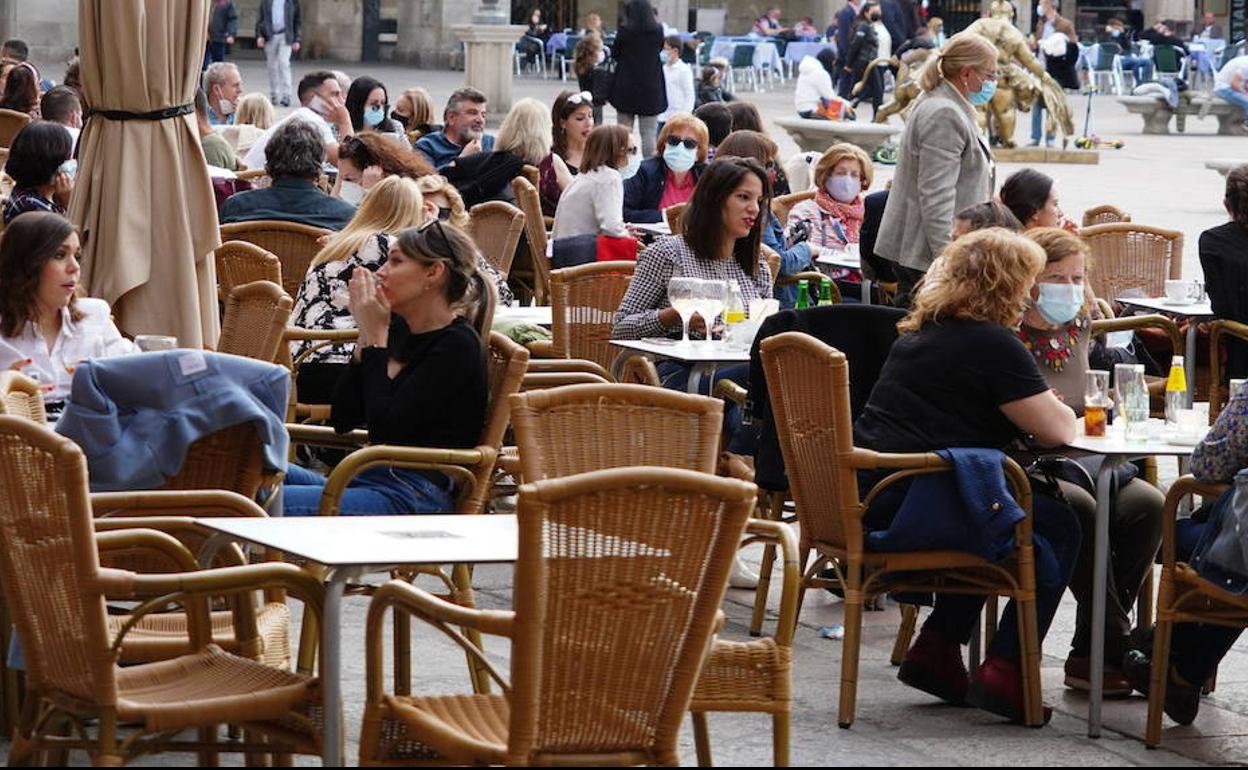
{"points": [[812, 277], [495, 227], [1218, 391], [11, 122], [782, 205], [55, 588], [294, 245], [1104, 215], [258, 177], [808, 385], [239, 262], [255, 321], [583, 689], [1183, 597], [20, 396], [675, 217], [1130, 256], [572, 430], [532, 173], [533, 274]]}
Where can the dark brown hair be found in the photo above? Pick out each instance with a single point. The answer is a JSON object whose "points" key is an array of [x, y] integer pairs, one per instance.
{"points": [[704, 219], [377, 149], [561, 111], [604, 146], [748, 144], [989, 214], [466, 289], [745, 117], [29, 242], [21, 90], [1236, 199], [1026, 192]]}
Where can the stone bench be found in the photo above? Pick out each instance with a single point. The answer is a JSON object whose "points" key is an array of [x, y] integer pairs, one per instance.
{"points": [[1157, 113], [819, 135], [1224, 165]]}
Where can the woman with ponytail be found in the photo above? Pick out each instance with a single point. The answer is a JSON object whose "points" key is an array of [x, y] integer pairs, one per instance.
{"points": [[944, 164], [418, 375]]}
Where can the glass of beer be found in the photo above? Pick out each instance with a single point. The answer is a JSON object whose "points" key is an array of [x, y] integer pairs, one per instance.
{"points": [[1096, 402]]}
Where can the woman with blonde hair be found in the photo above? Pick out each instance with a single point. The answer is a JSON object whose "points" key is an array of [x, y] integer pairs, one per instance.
{"points": [[944, 164], [671, 175], [959, 377], [523, 139], [255, 109], [443, 202], [414, 109]]}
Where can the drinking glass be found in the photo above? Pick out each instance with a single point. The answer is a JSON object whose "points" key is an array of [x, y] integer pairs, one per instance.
{"points": [[1095, 402], [715, 296], [682, 294], [1133, 393]]}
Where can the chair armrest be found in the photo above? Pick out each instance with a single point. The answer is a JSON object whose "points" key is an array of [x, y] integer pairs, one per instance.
{"points": [[1133, 322], [731, 391], [781, 535], [324, 435], [1182, 487], [182, 528], [638, 368], [144, 539], [442, 615], [543, 380], [541, 349], [186, 502], [547, 365], [297, 333], [456, 463]]}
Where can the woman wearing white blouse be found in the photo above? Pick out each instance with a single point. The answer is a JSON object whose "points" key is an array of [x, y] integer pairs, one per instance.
{"points": [[594, 203], [44, 329]]}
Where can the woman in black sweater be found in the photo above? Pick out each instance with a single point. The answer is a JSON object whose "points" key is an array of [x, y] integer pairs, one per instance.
{"points": [[418, 376]]}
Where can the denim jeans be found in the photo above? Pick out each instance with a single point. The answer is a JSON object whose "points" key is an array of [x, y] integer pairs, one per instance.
{"points": [[1237, 98], [1141, 68], [374, 492], [675, 376], [1037, 124]]}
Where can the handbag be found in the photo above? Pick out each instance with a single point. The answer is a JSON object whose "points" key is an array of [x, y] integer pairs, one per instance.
{"points": [[603, 80], [611, 249], [583, 249]]}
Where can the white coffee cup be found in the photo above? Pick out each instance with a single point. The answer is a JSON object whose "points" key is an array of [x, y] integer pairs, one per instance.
{"points": [[1179, 291]]}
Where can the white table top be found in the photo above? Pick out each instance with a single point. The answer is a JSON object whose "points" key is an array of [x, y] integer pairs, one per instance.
{"points": [[1163, 305], [538, 314], [339, 541], [840, 259], [1114, 442], [658, 228], [691, 352]]}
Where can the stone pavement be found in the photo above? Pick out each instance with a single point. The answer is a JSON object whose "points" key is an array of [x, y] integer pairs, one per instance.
{"points": [[1160, 180]]}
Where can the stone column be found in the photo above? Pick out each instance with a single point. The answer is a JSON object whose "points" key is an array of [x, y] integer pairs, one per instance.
{"points": [[425, 38], [332, 29], [674, 12], [490, 56]]}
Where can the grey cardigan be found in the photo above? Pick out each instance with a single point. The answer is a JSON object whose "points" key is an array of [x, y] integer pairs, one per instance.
{"points": [[944, 166]]}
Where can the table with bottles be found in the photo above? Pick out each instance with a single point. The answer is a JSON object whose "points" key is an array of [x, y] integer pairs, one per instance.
{"points": [[849, 259], [1194, 312]]}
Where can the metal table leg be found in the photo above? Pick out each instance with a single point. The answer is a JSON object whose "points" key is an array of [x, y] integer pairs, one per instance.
{"points": [[696, 373], [1100, 576], [1189, 361], [333, 754]]}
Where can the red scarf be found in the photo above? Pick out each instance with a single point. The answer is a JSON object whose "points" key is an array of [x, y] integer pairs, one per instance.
{"points": [[848, 214]]}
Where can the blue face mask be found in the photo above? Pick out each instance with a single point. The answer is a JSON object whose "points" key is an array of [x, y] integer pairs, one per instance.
{"points": [[679, 158], [634, 163], [1059, 303], [374, 115], [984, 94]]}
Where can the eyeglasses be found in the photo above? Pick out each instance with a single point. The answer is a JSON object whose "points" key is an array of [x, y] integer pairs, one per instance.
{"points": [[633, 149], [990, 76], [426, 232], [676, 141], [584, 97]]}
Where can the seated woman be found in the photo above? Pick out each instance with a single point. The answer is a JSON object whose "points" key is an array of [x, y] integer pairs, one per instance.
{"points": [[368, 104], [833, 218], [1056, 329], [414, 111], [959, 377], [442, 202], [987, 214], [40, 164], [1032, 198], [255, 109], [593, 203], [21, 91], [365, 158], [671, 175], [523, 139], [417, 377], [572, 118], [723, 229], [44, 328]]}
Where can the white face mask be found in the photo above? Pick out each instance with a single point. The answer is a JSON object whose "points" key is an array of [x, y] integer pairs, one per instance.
{"points": [[225, 107], [352, 193], [630, 169], [843, 187]]}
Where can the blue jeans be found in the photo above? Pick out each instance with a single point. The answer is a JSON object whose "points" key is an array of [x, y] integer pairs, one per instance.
{"points": [[675, 376], [1141, 68], [1237, 98], [374, 492], [1037, 124]]}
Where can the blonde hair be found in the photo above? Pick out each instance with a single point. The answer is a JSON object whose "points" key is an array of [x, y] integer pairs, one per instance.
{"points": [[391, 205], [255, 109], [837, 153], [436, 184], [684, 120], [983, 276], [526, 131], [965, 49], [422, 106]]}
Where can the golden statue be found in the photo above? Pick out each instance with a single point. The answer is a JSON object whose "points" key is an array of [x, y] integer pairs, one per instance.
{"points": [[1002, 9]]}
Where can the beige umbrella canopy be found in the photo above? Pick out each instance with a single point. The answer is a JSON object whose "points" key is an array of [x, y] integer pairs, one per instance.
{"points": [[143, 198]]}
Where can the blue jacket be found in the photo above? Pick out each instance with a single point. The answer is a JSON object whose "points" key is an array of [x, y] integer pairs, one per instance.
{"points": [[793, 259], [970, 509], [440, 151], [134, 416], [289, 200], [644, 190]]}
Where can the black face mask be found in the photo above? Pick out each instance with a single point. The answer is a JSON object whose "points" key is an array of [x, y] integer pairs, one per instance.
{"points": [[400, 119], [444, 214]]}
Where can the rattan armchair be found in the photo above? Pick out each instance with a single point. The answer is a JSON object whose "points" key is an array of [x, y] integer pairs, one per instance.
{"points": [[239, 262], [11, 122], [533, 271], [808, 385], [1128, 256], [294, 245], [1183, 597], [674, 215], [812, 277], [258, 178], [21, 396], [255, 321], [1219, 393], [572, 430], [600, 569], [55, 588], [495, 226], [1104, 215], [783, 204]]}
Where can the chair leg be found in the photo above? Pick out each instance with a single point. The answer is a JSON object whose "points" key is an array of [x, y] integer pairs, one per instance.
{"points": [[1144, 602], [701, 739], [402, 653], [780, 739], [108, 753], [208, 757], [905, 633], [773, 511], [1159, 677], [309, 640], [461, 577], [1029, 641], [851, 645], [1210, 684], [991, 618]]}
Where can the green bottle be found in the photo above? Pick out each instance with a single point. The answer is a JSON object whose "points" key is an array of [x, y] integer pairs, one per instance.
{"points": [[803, 294], [825, 291]]}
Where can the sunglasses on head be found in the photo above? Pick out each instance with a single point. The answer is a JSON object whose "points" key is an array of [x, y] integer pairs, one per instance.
{"points": [[676, 141], [442, 247], [584, 97]]}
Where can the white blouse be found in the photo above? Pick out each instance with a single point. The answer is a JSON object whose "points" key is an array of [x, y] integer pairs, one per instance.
{"points": [[92, 336], [592, 205]]}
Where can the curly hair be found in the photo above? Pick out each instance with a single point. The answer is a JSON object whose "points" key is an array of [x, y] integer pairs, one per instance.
{"points": [[436, 184], [377, 149], [294, 150], [1236, 199], [29, 242], [982, 276], [585, 54]]}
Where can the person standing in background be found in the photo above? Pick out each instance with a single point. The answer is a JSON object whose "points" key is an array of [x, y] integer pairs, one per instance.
{"points": [[845, 21], [678, 80], [278, 33], [222, 28], [638, 89]]}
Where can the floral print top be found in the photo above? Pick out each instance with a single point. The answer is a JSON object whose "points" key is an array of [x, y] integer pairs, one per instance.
{"points": [[1224, 450]]}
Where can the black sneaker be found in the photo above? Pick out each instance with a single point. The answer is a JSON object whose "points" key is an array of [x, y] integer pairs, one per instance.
{"points": [[1182, 700]]}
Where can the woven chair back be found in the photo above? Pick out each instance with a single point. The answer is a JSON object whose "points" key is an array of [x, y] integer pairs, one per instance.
{"points": [[808, 386], [255, 321], [20, 397], [580, 428], [507, 361], [1128, 256], [48, 562], [615, 606], [535, 233], [675, 217], [11, 121], [1104, 215], [294, 245], [782, 205], [239, 262], [495, 226], [1219, 388], [584, 300], [257, 177]]}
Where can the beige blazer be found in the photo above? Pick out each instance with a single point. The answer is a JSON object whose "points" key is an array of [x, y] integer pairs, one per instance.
{"points": [[944, 166]]}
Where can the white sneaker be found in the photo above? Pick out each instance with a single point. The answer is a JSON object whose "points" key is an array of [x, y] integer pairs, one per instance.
{"points": [[741, 575]]}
